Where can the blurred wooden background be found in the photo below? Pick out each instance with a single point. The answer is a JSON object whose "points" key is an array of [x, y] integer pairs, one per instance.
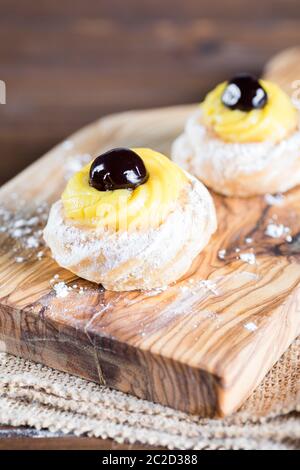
{"points": [[68, 62]]}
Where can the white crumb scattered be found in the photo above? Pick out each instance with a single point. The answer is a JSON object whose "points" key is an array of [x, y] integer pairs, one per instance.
{"points": [[274, 199], [40, 255], [32, 242], [33, 221], [249, 258], [251, 326], [25, 226], [20, 232], [276, 230], [54, 279], [25, 223], [221, 254], [289, 238], [193, 286], [185, 288], [82, 290], [153, 292], [19, 223], [210, 286], [237, 250], [248, 240], [61, 289]]}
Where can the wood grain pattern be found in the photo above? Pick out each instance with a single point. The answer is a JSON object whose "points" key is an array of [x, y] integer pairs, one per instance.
{"points": [[186, 347]]}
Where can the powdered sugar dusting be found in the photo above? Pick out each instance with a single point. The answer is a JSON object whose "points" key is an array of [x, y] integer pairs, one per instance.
{"points": [[222, 254], [210, 158], [187, 298], [61, 289], [276, 230], [249, 258], [145, 253], [274, 199], [25, 230], [251, 326]]}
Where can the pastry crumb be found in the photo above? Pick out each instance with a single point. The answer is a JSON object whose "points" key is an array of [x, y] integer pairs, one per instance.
{"points": [[274, 199], [251, 326], [40, 255], [276, 230], [249, 258], [222, 254], [61, 289]]}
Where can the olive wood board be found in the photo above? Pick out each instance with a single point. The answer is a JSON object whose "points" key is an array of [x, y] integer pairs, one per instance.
{"points": [[201, 345]]}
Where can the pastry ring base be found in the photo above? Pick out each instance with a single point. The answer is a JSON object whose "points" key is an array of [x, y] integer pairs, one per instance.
{"points": [[238, 169], [141, 259]]}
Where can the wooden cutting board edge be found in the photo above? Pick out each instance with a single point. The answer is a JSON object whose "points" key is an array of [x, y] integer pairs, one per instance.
{"points": [[224, 404]]}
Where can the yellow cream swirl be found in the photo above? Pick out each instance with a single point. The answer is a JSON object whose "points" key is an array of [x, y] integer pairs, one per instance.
{"points": [[123, 209], [275, 121]]}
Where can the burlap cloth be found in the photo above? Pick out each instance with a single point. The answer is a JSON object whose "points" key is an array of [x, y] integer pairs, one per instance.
{"points": [[35, 395]]}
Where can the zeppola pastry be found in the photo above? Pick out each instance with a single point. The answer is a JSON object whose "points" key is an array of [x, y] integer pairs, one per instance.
{"points": [[243, 140], [131, 219]]}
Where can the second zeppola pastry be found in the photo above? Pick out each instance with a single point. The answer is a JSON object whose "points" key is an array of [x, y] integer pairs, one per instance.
{"points": [[243, 140], [131, 219]]}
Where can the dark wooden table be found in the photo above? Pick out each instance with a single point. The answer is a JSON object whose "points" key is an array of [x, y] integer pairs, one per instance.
{"points": [[68, 62]]}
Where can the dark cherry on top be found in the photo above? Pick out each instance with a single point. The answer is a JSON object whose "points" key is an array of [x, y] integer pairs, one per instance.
{"points": [[119, 168], [244, 92]]}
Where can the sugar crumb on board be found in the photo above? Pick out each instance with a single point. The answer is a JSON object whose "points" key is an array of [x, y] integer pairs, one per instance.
{"points": [[62, 289], [274, 230], [222, 254], [274, 199], [249, 258], [250, 326], [193, 286], [40, 255], [25, 227]]}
